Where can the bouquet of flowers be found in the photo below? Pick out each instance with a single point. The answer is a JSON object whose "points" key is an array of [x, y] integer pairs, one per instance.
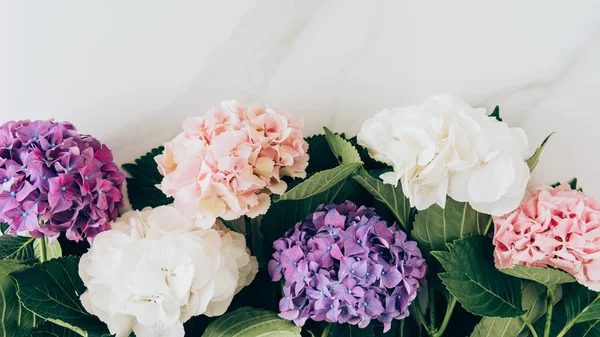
{"points": [[421, 225]]}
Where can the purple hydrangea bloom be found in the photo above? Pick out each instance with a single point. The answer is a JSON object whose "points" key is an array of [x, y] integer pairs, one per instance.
{"points": [[53, 179], [343, 264]]}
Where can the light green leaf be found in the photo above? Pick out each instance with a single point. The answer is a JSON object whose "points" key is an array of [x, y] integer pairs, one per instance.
{"points": [[546, 276], [52, 330], [534, 160], [14, 319], [320, 182], [389, 195], [26, 249], [53, 249], [341, 148], [347, 330], [498, 327], [250, 322], [534, 301], [475, 282], [51, 290], [436, 226], [141, 186]]}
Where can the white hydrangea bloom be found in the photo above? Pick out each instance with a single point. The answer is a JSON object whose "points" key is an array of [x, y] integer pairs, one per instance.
{"points": [[155, 269], [445, 147]]}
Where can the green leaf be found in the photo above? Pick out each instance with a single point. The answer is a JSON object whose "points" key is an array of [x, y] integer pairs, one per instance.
{"points": [[546, 276], [250, 322], [26, 249], [437, 226], [573, 183], [231, 226], [14, 319], [475, 282], [322, 158], [51, 290], [577, 314], [17, 248], [320, 155], [586, 329], [53, 249], [498, 327], [581, 304], [347, 330], [283, 215], [52, 330], [534, 301], [496, 114], [141, 187], [368, 162], [391, 196], [320, 182], [534, 160], [341, 148]]}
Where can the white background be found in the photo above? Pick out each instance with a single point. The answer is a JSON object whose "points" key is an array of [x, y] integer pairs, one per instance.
{"points": [[129, 72]]}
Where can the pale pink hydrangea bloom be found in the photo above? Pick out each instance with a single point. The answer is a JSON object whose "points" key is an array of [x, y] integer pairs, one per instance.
{"points": [[555, 227], [227, 162]]}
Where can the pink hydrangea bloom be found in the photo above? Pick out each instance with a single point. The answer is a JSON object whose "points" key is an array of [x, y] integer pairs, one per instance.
{"points": [[555, 227], [227, 162]]}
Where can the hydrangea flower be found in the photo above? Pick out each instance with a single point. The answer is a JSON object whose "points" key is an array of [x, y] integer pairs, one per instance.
{"points": [[343, 264], [443, 147], [155, 270], [555, 227], [226, 163], [54, 179]]}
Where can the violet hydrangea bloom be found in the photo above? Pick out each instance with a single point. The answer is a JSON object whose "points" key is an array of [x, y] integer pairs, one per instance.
{"points": [[343, 264], [54, 179]]}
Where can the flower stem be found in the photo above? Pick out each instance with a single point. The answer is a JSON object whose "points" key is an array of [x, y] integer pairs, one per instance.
{"points": [[421, 318], [248, 224], [432, 321], [551, 301], [249, 233], [326, 330], [43, 249], [531, 329], [447, 315], [564, 331]]}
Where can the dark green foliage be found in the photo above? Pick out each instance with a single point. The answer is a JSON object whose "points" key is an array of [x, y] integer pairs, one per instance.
{"points": [[141, 186]]}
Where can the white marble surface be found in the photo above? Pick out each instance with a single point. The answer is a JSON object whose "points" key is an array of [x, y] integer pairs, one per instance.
{"points": [[129, 72]]}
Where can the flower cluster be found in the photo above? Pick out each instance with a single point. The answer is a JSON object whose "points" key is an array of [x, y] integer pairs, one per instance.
{"points": [[343, 264], [155, 270], [445, 147], [556, 227], [227, 162], [53, 179]]}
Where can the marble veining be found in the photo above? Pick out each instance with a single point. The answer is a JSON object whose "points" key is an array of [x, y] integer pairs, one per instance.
{"points": [[131, 72]]}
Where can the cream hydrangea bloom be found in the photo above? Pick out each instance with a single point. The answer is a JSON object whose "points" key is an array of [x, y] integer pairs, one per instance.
{"points": [[445, 147], [155, 270]]}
